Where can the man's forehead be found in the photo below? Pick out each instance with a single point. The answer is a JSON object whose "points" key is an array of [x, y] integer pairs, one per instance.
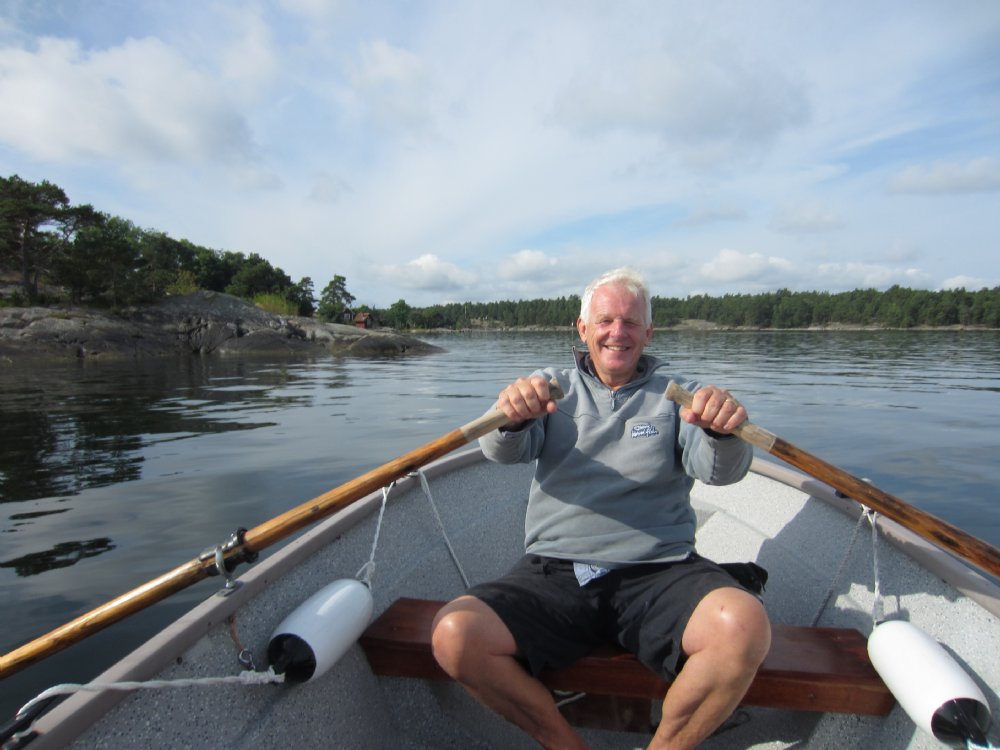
{"points": [[610, 299]]}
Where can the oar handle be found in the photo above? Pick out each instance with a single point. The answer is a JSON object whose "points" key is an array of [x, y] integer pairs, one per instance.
{"points": [[494, 420], [255, 540], [933, 529], [747, 430]]}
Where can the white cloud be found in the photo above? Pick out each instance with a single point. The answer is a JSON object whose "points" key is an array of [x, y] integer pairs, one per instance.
{"points": [[526, 264], [975, 176], [312, 9], [138, 101], [427, 273], [705, 215], [970, 283], [248, 58], [709, 107], [390, 83], [806, 219], [858, 275], [329, 189], [732, 265]]}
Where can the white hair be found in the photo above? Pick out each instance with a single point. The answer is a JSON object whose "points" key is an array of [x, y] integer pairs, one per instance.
{"points": [[626, 277]]}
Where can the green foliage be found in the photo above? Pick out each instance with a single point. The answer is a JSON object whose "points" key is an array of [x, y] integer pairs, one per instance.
{"points": [[275, 303], [334, 300], [302, 295], [14, 300], [100, 264], [107, 260], [894, 308], [34, 222], [184, 283], [398, 314]]}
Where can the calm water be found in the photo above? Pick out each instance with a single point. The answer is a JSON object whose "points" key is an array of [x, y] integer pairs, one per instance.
{"points": [[111, 474]]}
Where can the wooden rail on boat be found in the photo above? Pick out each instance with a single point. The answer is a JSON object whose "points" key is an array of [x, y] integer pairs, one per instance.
{"points": [[807, 668]]}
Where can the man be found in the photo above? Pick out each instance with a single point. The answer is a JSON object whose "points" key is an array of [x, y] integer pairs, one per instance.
{"points": [[610, 537]]}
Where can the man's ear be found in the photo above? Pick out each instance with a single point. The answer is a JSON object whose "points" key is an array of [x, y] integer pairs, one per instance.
{"points": [[581, 328]]}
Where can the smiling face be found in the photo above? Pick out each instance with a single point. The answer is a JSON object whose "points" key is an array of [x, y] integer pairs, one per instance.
{"points": [[615, 332]]}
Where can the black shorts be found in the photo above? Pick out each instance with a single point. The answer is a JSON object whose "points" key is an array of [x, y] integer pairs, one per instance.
{"points": [[644, 608]]}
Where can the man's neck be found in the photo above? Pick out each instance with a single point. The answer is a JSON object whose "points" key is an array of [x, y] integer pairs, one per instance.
{"points": [[640, 369]]}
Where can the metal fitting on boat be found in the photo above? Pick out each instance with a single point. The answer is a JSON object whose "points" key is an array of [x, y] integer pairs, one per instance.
{"points": [[224, 565]]}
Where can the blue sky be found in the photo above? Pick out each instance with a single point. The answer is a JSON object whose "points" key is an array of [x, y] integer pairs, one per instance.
{"points": [[484, 150]]}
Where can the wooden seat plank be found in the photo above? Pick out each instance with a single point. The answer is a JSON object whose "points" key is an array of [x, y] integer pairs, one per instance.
{"points": [[807, 668]]}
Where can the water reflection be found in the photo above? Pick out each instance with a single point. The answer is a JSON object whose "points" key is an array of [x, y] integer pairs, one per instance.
{"points": [[62, 555], [68, 430]]}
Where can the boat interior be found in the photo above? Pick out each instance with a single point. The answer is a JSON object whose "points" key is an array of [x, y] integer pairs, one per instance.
{"points": [[822, 563]]}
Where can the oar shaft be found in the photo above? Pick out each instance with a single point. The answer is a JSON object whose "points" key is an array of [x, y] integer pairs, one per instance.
{"points": [[288, 523], [255, 540], [926, 525]]}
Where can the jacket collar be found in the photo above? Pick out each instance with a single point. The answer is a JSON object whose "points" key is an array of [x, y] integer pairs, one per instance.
{"points": [[646, 366]]}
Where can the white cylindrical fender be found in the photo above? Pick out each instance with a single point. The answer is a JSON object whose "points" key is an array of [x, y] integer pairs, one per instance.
{"points": [[937, 694], [320, 630]]}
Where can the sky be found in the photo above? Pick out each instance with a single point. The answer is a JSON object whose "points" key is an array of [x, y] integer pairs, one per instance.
{"points": [[485, 150]]}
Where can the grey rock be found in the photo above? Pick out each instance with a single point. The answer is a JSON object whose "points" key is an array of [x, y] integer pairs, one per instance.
{"points": [[199, 323]]}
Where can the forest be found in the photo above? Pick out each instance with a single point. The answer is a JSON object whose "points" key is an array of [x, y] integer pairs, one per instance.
{"points": [[896, 307], [93, 258]]}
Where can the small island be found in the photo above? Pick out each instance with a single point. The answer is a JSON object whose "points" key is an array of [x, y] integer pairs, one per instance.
{"points": [[199, 323]]}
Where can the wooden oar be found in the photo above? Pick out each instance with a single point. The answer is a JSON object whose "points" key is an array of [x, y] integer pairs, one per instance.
{"points": [[254, 540], [935, 530]]}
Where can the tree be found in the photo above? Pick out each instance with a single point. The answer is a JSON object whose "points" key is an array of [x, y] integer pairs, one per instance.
{"points": [[103, 263], [27, 212], [214, 270], [162, 259], [258, 276], [335, 299], [302, 295], [398, 314]]}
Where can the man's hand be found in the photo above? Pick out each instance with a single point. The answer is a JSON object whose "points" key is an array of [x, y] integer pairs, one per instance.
{"points": [[714, 409], [525, 399]]}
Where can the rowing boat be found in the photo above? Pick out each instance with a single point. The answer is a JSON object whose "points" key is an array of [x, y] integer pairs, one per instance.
{"points": [[462, 520]]}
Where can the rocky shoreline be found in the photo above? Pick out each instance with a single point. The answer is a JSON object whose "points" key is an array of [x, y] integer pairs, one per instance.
{"points": [[201, 323]]}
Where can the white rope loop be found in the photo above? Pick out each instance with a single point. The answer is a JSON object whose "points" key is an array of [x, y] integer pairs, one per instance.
{"points": [[877, 606], [878, 610], [367, 570], [247, 678]]}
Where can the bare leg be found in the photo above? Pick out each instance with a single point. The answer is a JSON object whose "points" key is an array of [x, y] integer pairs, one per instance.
{"points": [[472, 644], [726, 639]]}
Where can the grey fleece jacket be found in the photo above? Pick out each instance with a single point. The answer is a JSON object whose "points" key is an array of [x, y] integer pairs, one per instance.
{"points": [[615, 469]]}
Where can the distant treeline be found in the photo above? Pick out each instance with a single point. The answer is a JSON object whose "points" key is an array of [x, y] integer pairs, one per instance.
{"points": [[896, 307], [90, 257]]}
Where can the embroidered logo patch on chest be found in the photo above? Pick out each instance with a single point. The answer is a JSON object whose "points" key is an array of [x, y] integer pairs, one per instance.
{"points": [[644, 430]]}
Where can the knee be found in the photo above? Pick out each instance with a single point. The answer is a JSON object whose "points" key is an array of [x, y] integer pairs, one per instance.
{"points": [[450, 641], [734, 625], [752, 634], [462, 635], [466, 635]]}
